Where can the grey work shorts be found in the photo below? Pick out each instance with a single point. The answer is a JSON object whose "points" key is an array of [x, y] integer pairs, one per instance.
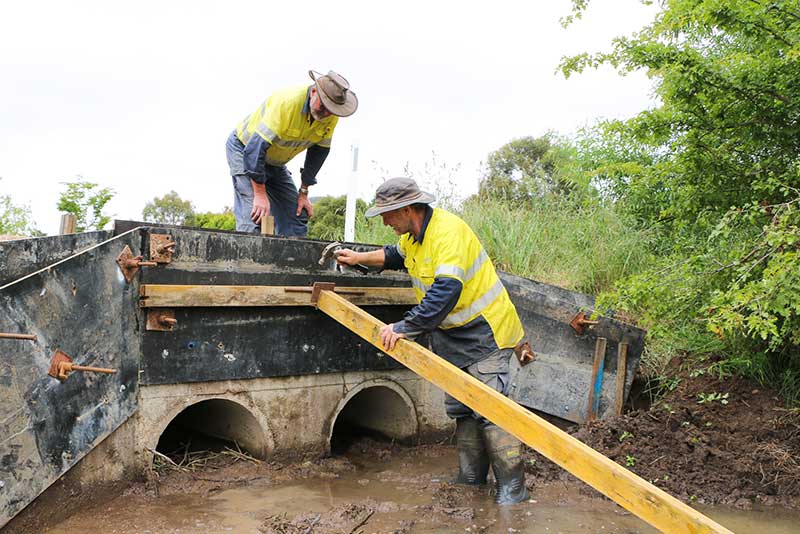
{"points": [[492, 371]]}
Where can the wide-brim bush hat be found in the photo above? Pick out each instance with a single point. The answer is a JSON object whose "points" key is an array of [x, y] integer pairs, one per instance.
{"points": [[396, 193], [334, 91]]}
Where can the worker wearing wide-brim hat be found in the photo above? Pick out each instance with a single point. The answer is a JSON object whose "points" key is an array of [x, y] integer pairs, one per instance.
{"points": [[290, 121], [464, 306]]}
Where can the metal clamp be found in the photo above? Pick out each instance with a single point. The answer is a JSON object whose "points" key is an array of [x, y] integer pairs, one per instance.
{"points": [[130, 264], [580, 322], [162, 247], [162, 320], [61, 366]]}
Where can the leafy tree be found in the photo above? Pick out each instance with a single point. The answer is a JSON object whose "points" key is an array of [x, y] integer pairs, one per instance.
{"points": [[529, 168], [716, 169], [85, 201], [217, 221], [169, 209], [328, 220], [15, 220]]}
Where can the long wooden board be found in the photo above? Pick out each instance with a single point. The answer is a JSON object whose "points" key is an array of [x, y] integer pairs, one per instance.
{"points": [[636, 495], [176, 296]]}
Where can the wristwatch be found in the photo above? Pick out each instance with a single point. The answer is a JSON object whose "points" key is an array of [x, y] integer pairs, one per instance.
{"points": [[303, 190]]}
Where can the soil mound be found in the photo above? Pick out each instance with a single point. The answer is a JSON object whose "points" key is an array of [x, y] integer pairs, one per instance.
{"points": [[707, 441]]}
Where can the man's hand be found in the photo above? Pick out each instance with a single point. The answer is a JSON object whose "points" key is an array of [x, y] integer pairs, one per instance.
{"points": [[346, 256], [389, 337], [303, 202], [260, 206]]}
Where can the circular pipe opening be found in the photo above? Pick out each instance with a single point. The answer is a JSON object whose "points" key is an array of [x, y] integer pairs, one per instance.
{"points": [[377, 412], [213, 425]]}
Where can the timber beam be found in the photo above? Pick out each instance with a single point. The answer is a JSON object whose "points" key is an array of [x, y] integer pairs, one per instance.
{"points": [[179, 296], [636, 495]]}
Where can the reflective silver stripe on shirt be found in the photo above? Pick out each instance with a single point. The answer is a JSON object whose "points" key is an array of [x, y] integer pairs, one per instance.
{"points": [[450, 270], [476, 307], [325, 143], [476, 265], [401, 252], [418, 284], [267, 133], [291, 144], [245, 134]]}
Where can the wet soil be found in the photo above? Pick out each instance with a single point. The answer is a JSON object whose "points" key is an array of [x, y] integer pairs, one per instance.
{"points": [[707, 441], [374, 488], [728, 447]]}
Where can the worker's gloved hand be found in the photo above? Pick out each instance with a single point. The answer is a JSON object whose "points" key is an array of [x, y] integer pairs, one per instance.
{"points": [[260, 208], [389, 337]]}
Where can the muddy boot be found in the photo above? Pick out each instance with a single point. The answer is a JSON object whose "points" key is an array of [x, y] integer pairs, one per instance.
{"points": [[509, 470], [473, 462]]}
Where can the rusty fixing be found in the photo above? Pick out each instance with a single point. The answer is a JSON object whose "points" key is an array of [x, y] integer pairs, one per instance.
{"points": [[130, 264], [580, 322], [524, 353], [160, 319], [5, 335], [319, 287], [61, 366], [162, 246]]}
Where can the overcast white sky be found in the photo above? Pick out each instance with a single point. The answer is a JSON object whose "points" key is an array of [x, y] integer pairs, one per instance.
{"points": [[141, 96]]}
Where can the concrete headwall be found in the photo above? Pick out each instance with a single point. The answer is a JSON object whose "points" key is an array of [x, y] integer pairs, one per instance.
{"points": [[282, 416]]}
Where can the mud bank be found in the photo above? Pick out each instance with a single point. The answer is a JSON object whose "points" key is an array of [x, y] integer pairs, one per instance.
{"points": [[707, 441]]}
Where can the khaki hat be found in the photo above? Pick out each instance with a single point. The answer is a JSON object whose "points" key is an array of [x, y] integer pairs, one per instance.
{"points": [[396, 193], [334, 91]]}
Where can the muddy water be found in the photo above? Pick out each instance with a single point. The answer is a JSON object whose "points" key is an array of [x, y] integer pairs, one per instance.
{"points": [[401, 494]]}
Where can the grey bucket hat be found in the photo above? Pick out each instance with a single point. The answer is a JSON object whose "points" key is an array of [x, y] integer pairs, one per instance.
{"points": [[334, 91], [396, 193]]}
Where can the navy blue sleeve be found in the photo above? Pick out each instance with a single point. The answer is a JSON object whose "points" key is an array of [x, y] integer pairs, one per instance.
{"points": [[315, 157], [439, 300], [254, 153], [392, 259]]}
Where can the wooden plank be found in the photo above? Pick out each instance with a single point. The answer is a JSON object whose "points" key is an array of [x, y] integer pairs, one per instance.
{"points": [[176, 296], [622, 372], [631, 492], [596, 385], [268, 225]]}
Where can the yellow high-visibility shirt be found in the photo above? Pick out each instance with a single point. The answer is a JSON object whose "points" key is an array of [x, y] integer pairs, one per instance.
{"points": [[284, 122], [450, 248]]}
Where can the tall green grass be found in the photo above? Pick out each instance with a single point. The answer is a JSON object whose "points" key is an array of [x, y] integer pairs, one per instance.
{"points": [[585, 247], [582, 247]]}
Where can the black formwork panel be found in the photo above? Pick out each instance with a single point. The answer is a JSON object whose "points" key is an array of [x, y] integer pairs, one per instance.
{"points": [[223, 343], [82, 306]]}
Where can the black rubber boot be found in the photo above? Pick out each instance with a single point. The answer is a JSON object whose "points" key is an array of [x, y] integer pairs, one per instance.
{"points": [[473, 462], [509, 472]]}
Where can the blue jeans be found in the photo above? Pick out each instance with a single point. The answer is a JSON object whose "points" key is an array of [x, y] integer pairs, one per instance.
{"points": [[281, 192]]}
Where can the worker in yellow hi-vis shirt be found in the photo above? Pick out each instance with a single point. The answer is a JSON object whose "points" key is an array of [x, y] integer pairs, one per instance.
{"points": [[289, 121], [464, 306]]}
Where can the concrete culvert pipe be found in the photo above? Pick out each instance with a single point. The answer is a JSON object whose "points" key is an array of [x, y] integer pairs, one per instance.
{"points": [[213, 425], [381, 411]]}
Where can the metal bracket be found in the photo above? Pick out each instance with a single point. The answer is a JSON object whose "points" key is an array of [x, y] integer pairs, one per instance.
{"points": [[61, 366], [320, 286], [130, 264], [162, 246], [524, 353], [161, 319], [580, 322]]}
